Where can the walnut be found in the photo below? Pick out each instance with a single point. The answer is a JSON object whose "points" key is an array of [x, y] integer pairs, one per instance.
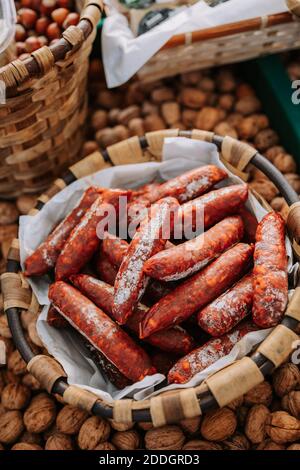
{"points": [[237, 442], [126, 440], [31, 382], [93, 431], [31, 438], [109, 99], [265, 188], [261, 394], [59, 441], [248, 128], [294, 180], [90, 146], [247, 105], [8, 232], [294, 447], [282, 427], [105, 446], [291, 403], [188, 117], [120, 426], [121, 132], [8, 213], [201, 445], [153, 122], [15, 396], [26, 446], [145, 426], [192, 98], [285, 379], [16, 364], [4, 328], [70, 419], [285, 163], [191, 78], [170, 111], [99, 119], [10, 377], [208, 118], [265, 139], [129, 113], [268, 444], [226, 101], [169, 437], [136, 127], [11, 427], [190, 426], [234, 119], [40, 413], [219, 425], [160, 95], [256, 422], [237, 403], [2, 382], [224, 129]]}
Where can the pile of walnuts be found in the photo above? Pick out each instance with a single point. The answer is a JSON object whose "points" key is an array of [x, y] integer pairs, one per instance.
{"points": [[266, 418]]}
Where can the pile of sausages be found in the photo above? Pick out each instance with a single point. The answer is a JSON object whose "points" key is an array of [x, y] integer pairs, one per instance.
{"points": [[159, 303]]}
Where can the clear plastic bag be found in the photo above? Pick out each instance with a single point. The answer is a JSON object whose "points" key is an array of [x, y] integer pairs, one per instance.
{"points": [[7, 23]]}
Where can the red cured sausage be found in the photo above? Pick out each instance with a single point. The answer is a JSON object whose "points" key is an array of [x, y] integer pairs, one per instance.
{"points": [[184, 187], [114, 248], [131, 282], [189, 257], [203, 357], [250, 224], [212, 207], [197, 291], [44, 257], [163, 362], [101, 331], [270, 280], [83, 240], [105, 269], [229, 309], [174, 339], [54, 318], [112, 373]]}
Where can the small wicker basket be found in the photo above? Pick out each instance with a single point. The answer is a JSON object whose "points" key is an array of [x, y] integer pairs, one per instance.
{"points": [[41, 123], [234, 42], [219, 389]]}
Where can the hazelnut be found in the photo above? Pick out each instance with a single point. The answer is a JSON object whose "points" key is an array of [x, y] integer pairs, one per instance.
{"points": [[259, 395], [93, 431], [224, 129], [282, 427], [234, 119], [70, 419], [207, 118], [219, 425], [40, 413], [192, 98], [11, 427], [265, 188], [291, 403], [243, 90], [168, 437], [59, 15], [41, 25], [248, 105], [53, 31], [108, 99], [190, 426], [27, 17], [25, 203], [90, 146], [16, 364], [26, 446], [285, 379], [206, 84], [201, 445], [59, 441], [170, 111], [149, 108], [136, 127], [15, 396], [226, 101], [126, 440], [153, 122], [121, 132], [159, 95], [265, 139], [248, 128], [99, 119], [71, 20], [236, 442], [256, 423], [191, 78], [226, 81], [20, 33], [188, 117], [8, 213], [129, 113]]}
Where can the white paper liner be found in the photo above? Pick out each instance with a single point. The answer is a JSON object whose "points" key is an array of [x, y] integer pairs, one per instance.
{"points": [[179, 155], [124, 54]]}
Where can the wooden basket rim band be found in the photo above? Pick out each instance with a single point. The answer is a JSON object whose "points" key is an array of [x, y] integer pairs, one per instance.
{"points": [[169, 406], [42, 60]]}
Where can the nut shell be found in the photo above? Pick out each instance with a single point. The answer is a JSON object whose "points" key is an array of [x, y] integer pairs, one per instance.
{"points": [[40, 413], [255, 428], [94, 431], [168, 437], [15, 396], [126, 440], [282, 427], [70, 419], [11, 427], [219, 425]]}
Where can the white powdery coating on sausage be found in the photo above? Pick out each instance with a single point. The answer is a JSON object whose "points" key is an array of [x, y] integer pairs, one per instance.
{"points": [[179, 275], [98, 282], [133, 276], [90, 213], [192, 188], [207, 356]]}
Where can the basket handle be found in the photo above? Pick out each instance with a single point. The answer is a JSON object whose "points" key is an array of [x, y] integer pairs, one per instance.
{"points": [[294, 6], [42, 60]]}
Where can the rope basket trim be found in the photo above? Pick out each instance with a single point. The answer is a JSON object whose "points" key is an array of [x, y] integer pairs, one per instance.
{"points": [[219, 389]]}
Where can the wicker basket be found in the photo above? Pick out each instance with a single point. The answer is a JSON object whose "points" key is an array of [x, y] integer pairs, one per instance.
{"points": [[41, 124], [220, 388], [226, 44]]}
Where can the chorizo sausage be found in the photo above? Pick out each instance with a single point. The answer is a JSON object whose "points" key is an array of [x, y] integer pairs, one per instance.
{"points": [[114, 248], [189, 257], [83, 240], [101, 331], [212, 207], [44, 257], [197, 291], [163, 362], [106, 271], [270, 280], [131, 282], [54, 318], [229, 309], [184, 187], [204, 356], [175, 339]]}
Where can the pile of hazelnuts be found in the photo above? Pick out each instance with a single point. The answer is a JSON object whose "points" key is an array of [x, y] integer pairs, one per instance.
{"points": [[41, 23]]}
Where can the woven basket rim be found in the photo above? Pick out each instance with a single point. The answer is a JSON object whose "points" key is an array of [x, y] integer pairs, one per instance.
{"points": [[182, 403]]}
